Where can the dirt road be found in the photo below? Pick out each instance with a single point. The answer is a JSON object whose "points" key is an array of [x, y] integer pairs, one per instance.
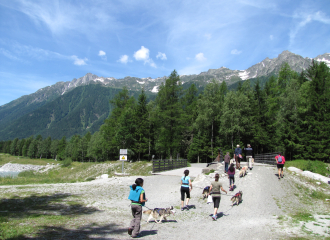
{"points": [[106, 212]]}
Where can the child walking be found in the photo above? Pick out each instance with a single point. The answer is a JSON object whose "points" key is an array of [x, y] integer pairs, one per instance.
{"points": [[216, 195], [138, 199], [231, 176]]}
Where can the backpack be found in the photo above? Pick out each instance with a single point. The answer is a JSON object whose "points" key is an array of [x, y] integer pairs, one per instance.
{"points": [[279, 160]]}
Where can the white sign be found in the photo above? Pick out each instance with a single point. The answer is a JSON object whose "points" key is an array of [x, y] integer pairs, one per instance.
{"points": [[123, 151], [123, 158]]}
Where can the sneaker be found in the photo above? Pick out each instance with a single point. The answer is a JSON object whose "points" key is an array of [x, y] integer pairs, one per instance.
{"points": [[279, 178], [182, 209], [129, 231], [282, 175], [214, 218]]}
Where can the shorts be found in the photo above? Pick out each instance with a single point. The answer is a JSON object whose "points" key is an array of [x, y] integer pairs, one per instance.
{"points": [[280, 166], [183, 191], [216, 201], [237, 159]]}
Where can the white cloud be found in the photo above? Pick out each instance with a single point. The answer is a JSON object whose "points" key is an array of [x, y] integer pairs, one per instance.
{"points": [[102, 53], [235, 52], [162, 56], [123, 59], [143, 55], [200, 57], [305, 18], [79, 61]]}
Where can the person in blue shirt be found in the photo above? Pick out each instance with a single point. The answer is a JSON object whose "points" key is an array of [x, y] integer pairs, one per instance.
{"points": [[186, 187], [138, 199]]}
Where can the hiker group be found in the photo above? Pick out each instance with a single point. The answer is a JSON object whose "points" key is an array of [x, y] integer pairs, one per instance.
{"points": [[138, 198]]}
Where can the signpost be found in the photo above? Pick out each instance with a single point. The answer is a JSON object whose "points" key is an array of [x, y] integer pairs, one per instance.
{"points": [[123, 157]]}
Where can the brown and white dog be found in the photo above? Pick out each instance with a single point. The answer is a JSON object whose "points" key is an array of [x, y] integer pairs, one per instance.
{"points": [[237, 198], [161, 213]]}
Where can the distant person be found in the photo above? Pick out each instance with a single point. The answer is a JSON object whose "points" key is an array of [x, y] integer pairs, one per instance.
{"points": [[231, 177], [249, 155], [138, 199], [216, 195], [186, 187], [280, 160], [238, 156], [227, 160]]}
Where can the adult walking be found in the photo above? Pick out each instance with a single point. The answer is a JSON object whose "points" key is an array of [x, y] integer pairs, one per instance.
{"points": [[249, 155], [186, 187], [280, 160], [238, 156], [227, 160], [216, 195], [138, 199]]}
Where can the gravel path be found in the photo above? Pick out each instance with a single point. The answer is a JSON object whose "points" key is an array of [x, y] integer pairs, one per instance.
{"points": [[255, 218]]}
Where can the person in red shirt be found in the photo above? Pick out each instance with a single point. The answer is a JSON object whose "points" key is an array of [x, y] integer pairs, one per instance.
{"points": [[280, 160]]}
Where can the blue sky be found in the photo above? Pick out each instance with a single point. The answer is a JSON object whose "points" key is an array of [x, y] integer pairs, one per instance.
{"points": [[44, 42]]}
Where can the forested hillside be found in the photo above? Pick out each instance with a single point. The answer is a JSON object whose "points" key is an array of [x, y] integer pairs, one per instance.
{"points": [[289, 113], [81, 110]]}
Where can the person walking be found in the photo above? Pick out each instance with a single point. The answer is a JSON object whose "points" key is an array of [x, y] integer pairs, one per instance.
{"points": [[249, 155], [216, 195], [138, 199], [280, 160], [231, 177], [227, 160], [186, 187], [238, 156]]}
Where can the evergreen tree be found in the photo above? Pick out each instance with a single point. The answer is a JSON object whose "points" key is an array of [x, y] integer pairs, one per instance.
{"points": [[170, 115]]}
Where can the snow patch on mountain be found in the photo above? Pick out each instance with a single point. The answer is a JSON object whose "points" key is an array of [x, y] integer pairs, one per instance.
{"points": [[141, 82], [243, 75], [155, 89]]}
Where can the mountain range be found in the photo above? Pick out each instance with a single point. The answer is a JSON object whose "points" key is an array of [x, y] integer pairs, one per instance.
{"points": [[81, 105]]}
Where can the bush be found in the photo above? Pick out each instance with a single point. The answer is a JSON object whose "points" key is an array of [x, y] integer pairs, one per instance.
{"points": [[308, 165], [67, 162]]}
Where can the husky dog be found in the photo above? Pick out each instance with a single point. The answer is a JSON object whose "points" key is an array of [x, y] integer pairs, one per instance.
{"points": [[237, 198], [206, 192], [159, 212]]}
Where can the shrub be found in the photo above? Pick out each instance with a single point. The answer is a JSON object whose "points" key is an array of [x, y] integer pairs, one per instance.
{"points": [[67, 162]]}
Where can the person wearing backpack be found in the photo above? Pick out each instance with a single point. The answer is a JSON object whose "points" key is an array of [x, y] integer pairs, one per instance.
{"points": [[280, 160], [138, 199]]}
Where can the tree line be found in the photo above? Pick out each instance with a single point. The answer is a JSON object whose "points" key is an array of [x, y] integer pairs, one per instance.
{"points": [[290, 113]]}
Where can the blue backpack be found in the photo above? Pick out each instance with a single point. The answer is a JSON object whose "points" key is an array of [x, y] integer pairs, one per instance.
{"points": [[279, 160]]}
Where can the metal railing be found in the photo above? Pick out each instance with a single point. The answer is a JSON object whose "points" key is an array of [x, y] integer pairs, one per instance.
{"points": [[159, 165], [267, 158]]}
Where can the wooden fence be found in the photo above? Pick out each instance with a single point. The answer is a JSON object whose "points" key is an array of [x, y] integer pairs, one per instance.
{"points": [[268, 158], [160, 165]]}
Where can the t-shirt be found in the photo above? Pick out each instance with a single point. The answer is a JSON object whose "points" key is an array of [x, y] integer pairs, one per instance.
{"points": [[216, 186], [249, 151], [185, 181], [227, 158], [283, 159], [238, 151]]}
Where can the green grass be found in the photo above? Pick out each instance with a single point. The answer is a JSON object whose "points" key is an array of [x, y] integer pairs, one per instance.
{"points": [[7, 158], [307, 165], [302, 217], [211, 171], [69, 171], [29, 215]]}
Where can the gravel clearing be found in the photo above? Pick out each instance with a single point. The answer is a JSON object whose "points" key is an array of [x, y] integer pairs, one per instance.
{"points": [[265, 199]]}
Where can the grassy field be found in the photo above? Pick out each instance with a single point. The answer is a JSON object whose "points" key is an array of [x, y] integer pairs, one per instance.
{"points": [[69, 172], [313, 166]]}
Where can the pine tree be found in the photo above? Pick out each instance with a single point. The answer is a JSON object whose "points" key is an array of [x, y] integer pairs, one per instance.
{"points": [[170, 115]]}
